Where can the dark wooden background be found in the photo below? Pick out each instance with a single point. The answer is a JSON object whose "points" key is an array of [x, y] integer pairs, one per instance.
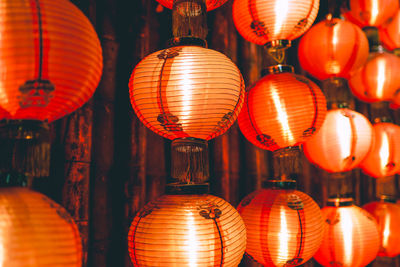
{"points": [[106, 165]]}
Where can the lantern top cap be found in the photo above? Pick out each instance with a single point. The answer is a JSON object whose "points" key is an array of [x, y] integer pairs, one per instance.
{"points": [[280, 184], [387, 199], [276, 69], [187, 189], [340, 201], [278, 44], [187, 41]]}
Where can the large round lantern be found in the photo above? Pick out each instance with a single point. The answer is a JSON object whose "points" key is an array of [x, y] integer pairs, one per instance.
{"points": [[284, 226], [35, 231], [187, 91], [282, 110], [384, 157], [187, 230], [211, 4], [342, 142], [351, 235], [333, 48], [378, 79], [50, 56], [371, 13], [261, 22], [387, 215], [389, 33]]}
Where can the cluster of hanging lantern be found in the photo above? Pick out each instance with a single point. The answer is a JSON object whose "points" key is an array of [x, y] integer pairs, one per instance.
{"points": [[191, 94]]}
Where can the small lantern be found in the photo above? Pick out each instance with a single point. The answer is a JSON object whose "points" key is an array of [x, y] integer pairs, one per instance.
{"points": [[378, 79], [371, 13], [35, 231], [384, 157], [351, 235], [333, 48], [284, 226], [187, 230], [342, 142], [282, 109], [389, 33], [261, 22], [387, 214]]}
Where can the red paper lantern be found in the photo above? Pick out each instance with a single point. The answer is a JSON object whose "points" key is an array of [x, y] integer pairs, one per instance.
{"points": [[284, 226], [282, 110], [342, 142], [333, 48], [50, 56], [261, 21], [378, 79], [187, 230], [388, 217], [211, 4], [36, 231], [371, 12], [351, 235], [187, 91], [390, 33], [384, 157]]}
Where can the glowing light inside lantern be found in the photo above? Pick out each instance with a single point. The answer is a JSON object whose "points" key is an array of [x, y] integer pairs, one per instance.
{"points": [[384, 151], [283, 236], [381, 77], [386, 231], [192, 241], [187, 88], [281, 11], [282, 114], [347, 230], [343, 128], [374, 11]]}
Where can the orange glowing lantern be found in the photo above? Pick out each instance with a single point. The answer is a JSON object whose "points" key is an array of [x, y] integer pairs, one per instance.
{"points": [[284, 226], [50, 56], [371, 12], [261, 22], [342, 142], [345, 49], [36, 231], [351, 235], [384, 157], [378, 79], [282, 110], [211, 4], [389, 33], [187, 230], [387, 215], [187, 91]]}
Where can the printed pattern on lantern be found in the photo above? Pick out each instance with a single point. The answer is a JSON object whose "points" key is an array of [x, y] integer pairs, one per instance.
{"points": [[294, 202], [258, 28], [169, 53], [169, 122], [35, 93], [266, 140], [212, 211]]}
